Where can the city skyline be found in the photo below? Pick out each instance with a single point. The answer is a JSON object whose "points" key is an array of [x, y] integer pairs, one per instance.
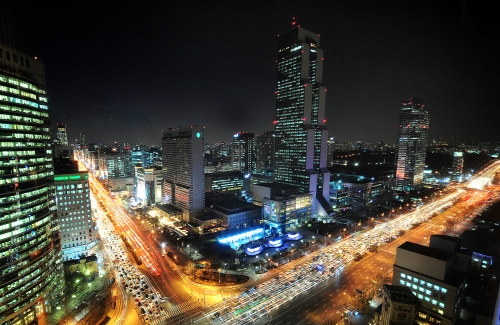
{"points": [[134, 71]]}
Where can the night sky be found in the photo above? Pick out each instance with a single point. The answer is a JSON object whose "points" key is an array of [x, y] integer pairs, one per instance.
{"points": [[125, 71]]}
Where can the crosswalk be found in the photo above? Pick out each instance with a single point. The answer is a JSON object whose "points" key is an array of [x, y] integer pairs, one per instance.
{"points": [[176, 310]]}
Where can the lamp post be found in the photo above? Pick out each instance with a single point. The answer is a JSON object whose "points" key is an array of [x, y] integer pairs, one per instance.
{"points": [[219, 274]]}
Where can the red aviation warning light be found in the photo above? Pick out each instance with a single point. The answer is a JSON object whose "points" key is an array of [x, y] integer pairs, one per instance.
{"points": [[275, 122]]}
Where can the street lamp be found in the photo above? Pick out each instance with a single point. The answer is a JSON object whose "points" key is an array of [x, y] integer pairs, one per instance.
{"points": [[219, 274]]}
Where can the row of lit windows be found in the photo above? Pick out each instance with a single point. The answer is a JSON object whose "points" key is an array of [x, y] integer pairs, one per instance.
{"points": [[18, 118], [16, 100], [9, 126], [24, 110], [17, 92], [10, 144], [422, 282], [24, 195], [24, 178], [21, 230], [18, 82], [23, 212]]}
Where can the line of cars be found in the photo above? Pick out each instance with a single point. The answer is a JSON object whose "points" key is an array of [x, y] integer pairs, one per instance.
{"points": [[147, 299], [257, 302]]}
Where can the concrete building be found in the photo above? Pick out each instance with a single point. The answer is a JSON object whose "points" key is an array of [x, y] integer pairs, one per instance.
{"points": [[149, 185], [399, 306], [183, 177], [234, 213], [301, 153], [412, 143], [222, 182], [32, 277], [74, 213], [434, 276]]}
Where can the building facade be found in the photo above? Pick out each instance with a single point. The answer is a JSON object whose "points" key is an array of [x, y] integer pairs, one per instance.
{"points": [[301, 153], [183, 173], [412, 143], [149, 185], [74, 213], [265, 150], [61, 136], [457, 170], [431, 275], [244, 152], [32, 277], [399, 306]]}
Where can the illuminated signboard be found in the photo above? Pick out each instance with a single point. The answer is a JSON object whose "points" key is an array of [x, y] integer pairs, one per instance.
{"points": [[71, 177], [253, 250]]}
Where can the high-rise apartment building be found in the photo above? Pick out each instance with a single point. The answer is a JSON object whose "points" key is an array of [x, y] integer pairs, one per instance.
{"points": [[183, 173], [244, 152], [412, 143], [265, 150], [301, 153], [31, 273]]}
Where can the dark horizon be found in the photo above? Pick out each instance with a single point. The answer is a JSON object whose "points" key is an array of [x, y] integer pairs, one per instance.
{"points": [[123, 72]]}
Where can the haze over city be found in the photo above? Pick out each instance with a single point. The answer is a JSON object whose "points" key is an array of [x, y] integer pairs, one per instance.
{"points": [[123, 71]]}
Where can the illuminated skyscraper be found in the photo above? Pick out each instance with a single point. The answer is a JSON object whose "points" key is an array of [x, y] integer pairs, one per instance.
{"points": [[458, 167], [265, 151], [301, 153], [183, 173], [61, 137], [31, 274], [412, 143], [244, 152]]}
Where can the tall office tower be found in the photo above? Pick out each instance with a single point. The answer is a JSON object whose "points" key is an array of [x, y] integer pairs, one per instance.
{"points": [[458, 166], [73, 209], [265, 150], [183, 174], [118, 164], [31, 274], [412, 143], [244, 152], [61, 136], [300, 116], [331, 151]]}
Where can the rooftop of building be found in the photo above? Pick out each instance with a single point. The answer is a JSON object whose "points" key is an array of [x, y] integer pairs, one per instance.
{"points": [[168, 209], [427, 251], [233, 205], [448, 238], [400, 294], [206, 217]]}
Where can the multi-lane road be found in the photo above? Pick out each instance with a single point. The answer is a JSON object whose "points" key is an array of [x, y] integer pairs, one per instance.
{"points": [[312, 288]]}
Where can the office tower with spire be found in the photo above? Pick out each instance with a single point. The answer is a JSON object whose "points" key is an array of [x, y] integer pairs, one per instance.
{"points": [[301, 153], [31, 272], [412, 143]]}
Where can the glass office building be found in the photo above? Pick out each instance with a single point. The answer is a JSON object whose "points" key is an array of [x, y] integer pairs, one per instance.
{"points": [[412, 143], [300, 114], [31, 274]]}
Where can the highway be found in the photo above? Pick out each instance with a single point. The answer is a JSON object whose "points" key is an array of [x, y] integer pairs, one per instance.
{"points": [[323, 275]]}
